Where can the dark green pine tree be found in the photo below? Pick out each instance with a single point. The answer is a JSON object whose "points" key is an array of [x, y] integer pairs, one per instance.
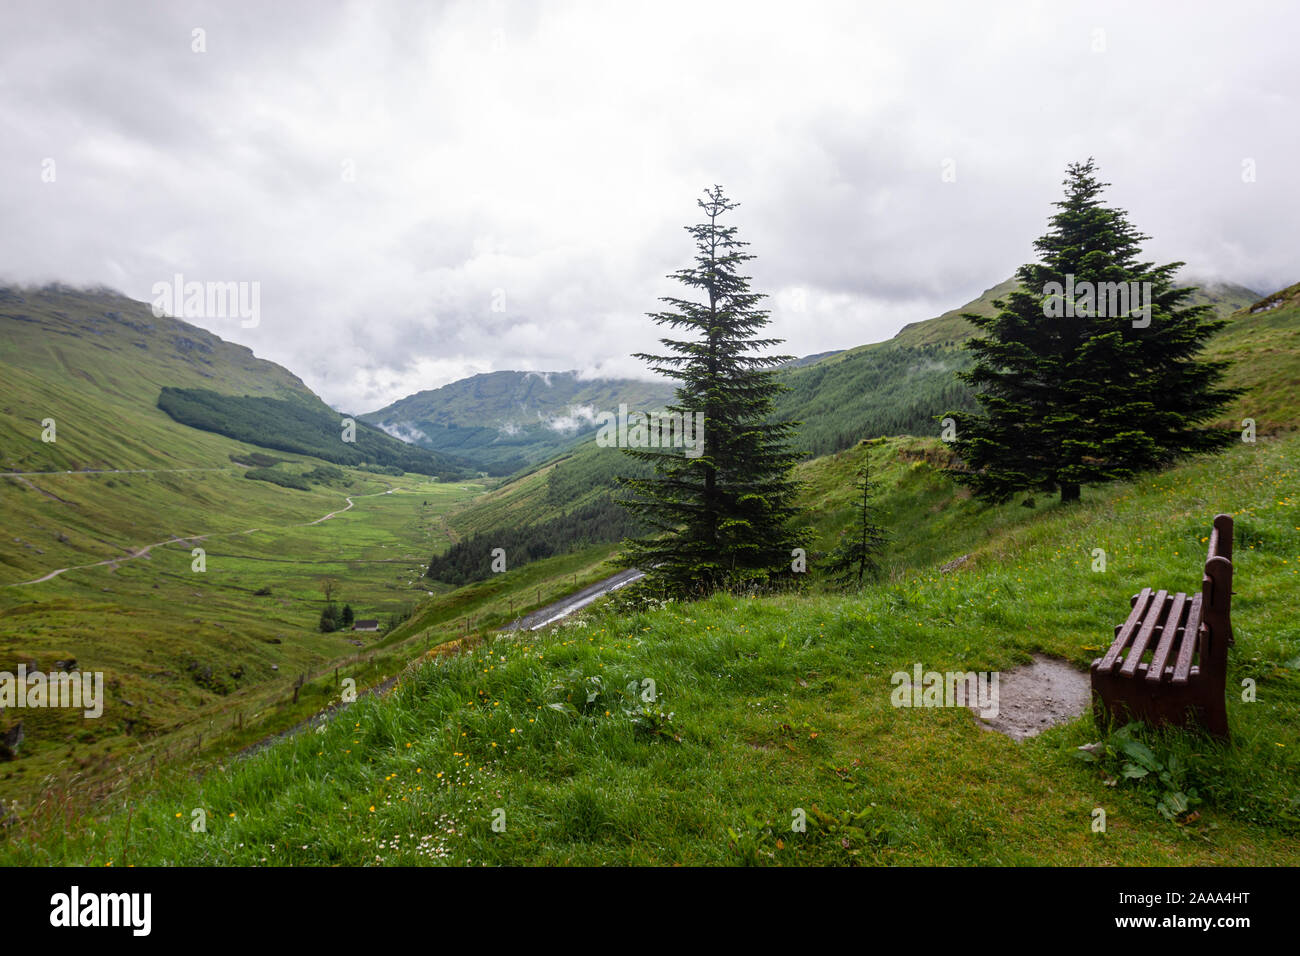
{"points": [[857, 555], [1069, 401], [721, 515]]}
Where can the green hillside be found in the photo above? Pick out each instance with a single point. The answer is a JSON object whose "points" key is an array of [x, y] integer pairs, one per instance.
{"points": [[565, 505], [79, 356], [902, 384], [1262, 341]]}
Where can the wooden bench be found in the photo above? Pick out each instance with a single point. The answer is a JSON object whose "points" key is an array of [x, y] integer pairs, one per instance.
{"points": [[1184, 640]]}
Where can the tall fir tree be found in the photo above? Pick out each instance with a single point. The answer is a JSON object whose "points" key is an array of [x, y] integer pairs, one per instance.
{"points": [[720, 515], [857, 555], [1104, 394]]}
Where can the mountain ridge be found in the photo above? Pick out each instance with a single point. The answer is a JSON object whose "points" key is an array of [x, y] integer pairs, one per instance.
{"points": [[506, 421]]}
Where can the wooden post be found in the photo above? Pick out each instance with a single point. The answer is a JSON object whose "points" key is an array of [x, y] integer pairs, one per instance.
{"points": [[336, 677]]}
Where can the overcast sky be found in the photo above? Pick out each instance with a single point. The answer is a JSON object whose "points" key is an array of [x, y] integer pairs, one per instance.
{"points": [[389, 173]]}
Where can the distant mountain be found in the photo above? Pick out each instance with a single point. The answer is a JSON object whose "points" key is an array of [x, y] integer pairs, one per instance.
{"points": [[811, 359], [505, 421], [950, 328]]}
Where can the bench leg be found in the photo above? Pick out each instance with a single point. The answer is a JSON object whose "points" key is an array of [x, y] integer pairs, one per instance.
{"points": [[1214, 713], [1117, 700]]}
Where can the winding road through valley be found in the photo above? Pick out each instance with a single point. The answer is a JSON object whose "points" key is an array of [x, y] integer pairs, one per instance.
{"points": [[182, 539]]}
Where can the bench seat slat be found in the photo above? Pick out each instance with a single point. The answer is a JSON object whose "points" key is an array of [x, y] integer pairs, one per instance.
{"points": [[1170, 632], [1126, 632], [1191, 637], [1155, 612]]}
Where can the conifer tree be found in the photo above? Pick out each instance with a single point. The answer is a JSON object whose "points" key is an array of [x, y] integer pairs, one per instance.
{"points": [[720, 515], [1083, 380], [857, 555]]}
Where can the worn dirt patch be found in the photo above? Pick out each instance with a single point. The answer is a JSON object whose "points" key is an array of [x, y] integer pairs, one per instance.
{"points": [[1037, 696]]}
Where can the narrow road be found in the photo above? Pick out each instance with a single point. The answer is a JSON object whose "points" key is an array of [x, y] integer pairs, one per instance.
{"points": [[566, 606], [141, 552], [106, 471], [348, 499]]}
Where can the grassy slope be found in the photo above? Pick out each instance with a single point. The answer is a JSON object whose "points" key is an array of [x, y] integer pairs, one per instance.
{"points": [[783, 703], [1262, 341], [583, 475], [579, 477]]}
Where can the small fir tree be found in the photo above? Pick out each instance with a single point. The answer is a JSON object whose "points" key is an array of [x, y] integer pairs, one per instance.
{"points": [[857, 555]]}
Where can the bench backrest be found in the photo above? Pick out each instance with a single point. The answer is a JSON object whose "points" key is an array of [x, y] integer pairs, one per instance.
{"points": [[1221, 537], [1216, 590]]}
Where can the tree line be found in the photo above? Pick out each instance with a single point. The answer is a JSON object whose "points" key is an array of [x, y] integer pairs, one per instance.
{"points": [[471, 559], [294, 426]]}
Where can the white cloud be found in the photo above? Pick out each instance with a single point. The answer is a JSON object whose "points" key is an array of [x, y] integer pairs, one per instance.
{"points": [[580, 416], [521, 172], [406, 433]]}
